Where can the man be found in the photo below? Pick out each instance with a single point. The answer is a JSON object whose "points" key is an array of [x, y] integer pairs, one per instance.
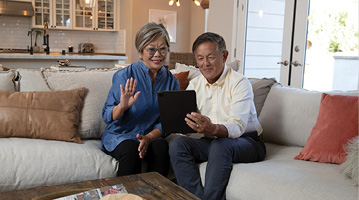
{"points": [[227, 118]]}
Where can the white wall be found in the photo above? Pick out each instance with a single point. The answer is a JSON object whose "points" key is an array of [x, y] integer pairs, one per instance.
{"points": [[190, 23], [222, 20]]}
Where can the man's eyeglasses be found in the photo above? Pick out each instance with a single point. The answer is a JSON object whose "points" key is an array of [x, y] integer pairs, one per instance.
{"points": [[161, 50]]}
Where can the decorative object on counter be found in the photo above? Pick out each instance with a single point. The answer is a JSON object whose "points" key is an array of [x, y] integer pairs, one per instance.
{"points": [[64, 65], [64, 62], [71, 49], [37, 33], [86, 48], [63, 52]]}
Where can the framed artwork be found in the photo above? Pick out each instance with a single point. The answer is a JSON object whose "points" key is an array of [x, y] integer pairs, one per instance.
{"points": [[167, 18]]}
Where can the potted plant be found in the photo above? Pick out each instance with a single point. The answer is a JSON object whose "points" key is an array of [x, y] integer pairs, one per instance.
{"points": [[37, 32]]}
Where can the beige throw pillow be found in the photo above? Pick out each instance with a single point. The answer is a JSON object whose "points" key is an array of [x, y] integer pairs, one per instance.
{"points": [[98, 84], [53, 115], [7, 80]]}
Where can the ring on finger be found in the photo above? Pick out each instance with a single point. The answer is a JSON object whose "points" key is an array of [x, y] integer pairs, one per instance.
{"points": [[197, 125]]}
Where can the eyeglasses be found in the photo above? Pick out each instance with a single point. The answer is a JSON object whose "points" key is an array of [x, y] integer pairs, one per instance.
{"points": [[161, 50]]}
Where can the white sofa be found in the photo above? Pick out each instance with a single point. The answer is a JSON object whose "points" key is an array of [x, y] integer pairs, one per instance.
{"points": [[287, 116]]}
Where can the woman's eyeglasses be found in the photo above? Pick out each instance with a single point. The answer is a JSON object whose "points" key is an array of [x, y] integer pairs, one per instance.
{"points": [[161, 50]]}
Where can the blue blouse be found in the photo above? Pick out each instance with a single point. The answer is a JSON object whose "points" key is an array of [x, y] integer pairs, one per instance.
{"points": [[143, 116]]}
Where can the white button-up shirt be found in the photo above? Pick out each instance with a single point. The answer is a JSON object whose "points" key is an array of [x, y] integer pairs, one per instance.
{"points": [[228, 101]]}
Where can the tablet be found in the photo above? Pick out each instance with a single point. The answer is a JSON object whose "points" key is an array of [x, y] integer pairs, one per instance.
{"points": [[174, 106]]}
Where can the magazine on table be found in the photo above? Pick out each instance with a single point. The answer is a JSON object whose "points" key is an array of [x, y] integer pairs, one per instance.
{"points": [[96, 194]]}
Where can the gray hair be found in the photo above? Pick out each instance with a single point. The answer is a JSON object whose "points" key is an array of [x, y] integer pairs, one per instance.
{"points": [[148, 33], [210, 37]]}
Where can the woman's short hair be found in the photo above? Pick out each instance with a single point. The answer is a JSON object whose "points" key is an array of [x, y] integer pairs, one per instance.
{"points": [[148, 33], [210, 37]]}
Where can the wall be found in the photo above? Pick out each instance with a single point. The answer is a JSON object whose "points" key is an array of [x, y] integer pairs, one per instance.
{"points": [[190, 23], [222, 20], [13, 34]]}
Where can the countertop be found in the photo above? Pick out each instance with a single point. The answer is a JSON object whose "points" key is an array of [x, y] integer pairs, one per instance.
{"points": [[57, 56]]}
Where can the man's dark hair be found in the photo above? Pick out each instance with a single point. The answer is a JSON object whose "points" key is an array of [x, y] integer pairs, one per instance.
{"points": [[210, 37]]}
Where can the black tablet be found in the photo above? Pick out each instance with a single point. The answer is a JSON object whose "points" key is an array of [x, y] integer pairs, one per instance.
{"points": [[174, 105]]}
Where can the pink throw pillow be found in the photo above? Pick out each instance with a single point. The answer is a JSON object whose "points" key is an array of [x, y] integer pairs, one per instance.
{"points": [[336, 124]]}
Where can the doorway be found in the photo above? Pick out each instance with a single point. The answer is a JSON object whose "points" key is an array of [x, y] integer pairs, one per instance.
{"points": [[305, 44]]}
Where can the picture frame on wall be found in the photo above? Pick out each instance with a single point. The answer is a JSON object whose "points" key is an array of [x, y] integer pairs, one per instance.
{"points": [[167, 18]]}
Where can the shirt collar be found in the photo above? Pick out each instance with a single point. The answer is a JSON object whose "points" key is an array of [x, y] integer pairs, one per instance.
{"points": [[221, 79], [146, 69]]}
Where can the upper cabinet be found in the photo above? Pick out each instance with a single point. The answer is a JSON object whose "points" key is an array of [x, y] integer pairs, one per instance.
{"points": [[57, 13], [96, 15]]}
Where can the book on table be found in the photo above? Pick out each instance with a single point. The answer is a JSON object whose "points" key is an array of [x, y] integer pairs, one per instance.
{"points": [[96, 193]]}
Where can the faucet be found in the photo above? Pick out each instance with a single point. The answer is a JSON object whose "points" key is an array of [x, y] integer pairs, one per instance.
{"points": [[46, 37], [31, 49]]}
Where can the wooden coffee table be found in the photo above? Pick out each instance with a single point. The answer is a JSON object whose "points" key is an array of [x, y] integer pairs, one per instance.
{"points": [[150, 185]]}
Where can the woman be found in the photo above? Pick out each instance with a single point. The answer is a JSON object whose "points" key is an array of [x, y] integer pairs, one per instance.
{"points": [[131, 110]]}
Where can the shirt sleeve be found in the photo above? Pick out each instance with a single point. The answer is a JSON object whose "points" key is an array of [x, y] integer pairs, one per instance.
{"points": [[114, 96], [240, 108]]}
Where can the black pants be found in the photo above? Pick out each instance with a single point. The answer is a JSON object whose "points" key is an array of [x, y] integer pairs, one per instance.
{"points": [[157, 157]]}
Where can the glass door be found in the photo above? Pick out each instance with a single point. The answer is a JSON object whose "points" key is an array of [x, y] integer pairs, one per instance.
{"points": [[268, 39], [305, 44], [331, 61], [42, 13], [105, 15], [62, 14], [84, 14]]}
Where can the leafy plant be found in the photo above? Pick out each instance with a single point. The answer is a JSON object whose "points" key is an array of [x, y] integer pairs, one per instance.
{"points": [[38, 32]]}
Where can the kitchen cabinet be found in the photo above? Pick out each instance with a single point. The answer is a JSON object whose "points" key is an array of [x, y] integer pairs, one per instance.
{"points": [[57, 13], [95, 15]]}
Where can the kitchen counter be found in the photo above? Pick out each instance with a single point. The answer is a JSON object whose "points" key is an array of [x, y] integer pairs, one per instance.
{"points": [[41, 60]]}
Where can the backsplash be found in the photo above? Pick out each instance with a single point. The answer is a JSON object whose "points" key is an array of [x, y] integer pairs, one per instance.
{"points": [[13, 34]]}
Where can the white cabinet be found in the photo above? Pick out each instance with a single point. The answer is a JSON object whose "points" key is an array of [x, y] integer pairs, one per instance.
{"points": [[99, 15], [95, 15], [57, 13]]}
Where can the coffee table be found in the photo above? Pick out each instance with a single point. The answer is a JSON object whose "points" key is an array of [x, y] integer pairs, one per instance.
{"points": [[150, 185]]}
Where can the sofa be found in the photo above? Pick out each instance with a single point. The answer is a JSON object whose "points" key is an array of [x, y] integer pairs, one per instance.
{"points": [[37, 157]]}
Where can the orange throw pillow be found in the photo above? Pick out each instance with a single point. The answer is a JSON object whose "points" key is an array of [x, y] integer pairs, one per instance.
{"points": [[183, 79], [336, 124]]}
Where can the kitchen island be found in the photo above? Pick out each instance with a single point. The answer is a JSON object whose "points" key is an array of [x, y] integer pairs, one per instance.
{"points": [[41, 60]]}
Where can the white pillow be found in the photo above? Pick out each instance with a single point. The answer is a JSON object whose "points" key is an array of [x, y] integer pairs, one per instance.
{"points": [[7, 80], [351, 167], [193, 71], [235, 65], [98, 84], [31, 80]]}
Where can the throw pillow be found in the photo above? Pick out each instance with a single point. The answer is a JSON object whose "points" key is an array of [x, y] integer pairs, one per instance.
{"points": [[7, 80], [261, 89], [236, 66], [351, 165], [53, 115], [97, 83], [193, 71], [31, 80], [336, 124], [182, 79]]}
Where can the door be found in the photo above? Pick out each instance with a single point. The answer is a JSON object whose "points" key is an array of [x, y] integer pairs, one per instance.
{"points": [[268, 39], [310, 44]]}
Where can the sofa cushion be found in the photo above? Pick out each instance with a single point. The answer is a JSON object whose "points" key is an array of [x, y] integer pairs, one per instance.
{"points": [[98, 84], [288, 115], [28, 163], [261, 89], [336, 124], [182, 79], [31, 80], [7, 80], [53, 115], [279, 176]]}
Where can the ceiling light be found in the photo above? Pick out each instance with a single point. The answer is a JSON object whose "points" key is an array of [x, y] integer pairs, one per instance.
{"points": [[178, 3], [197, 2], [171, 2]]}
